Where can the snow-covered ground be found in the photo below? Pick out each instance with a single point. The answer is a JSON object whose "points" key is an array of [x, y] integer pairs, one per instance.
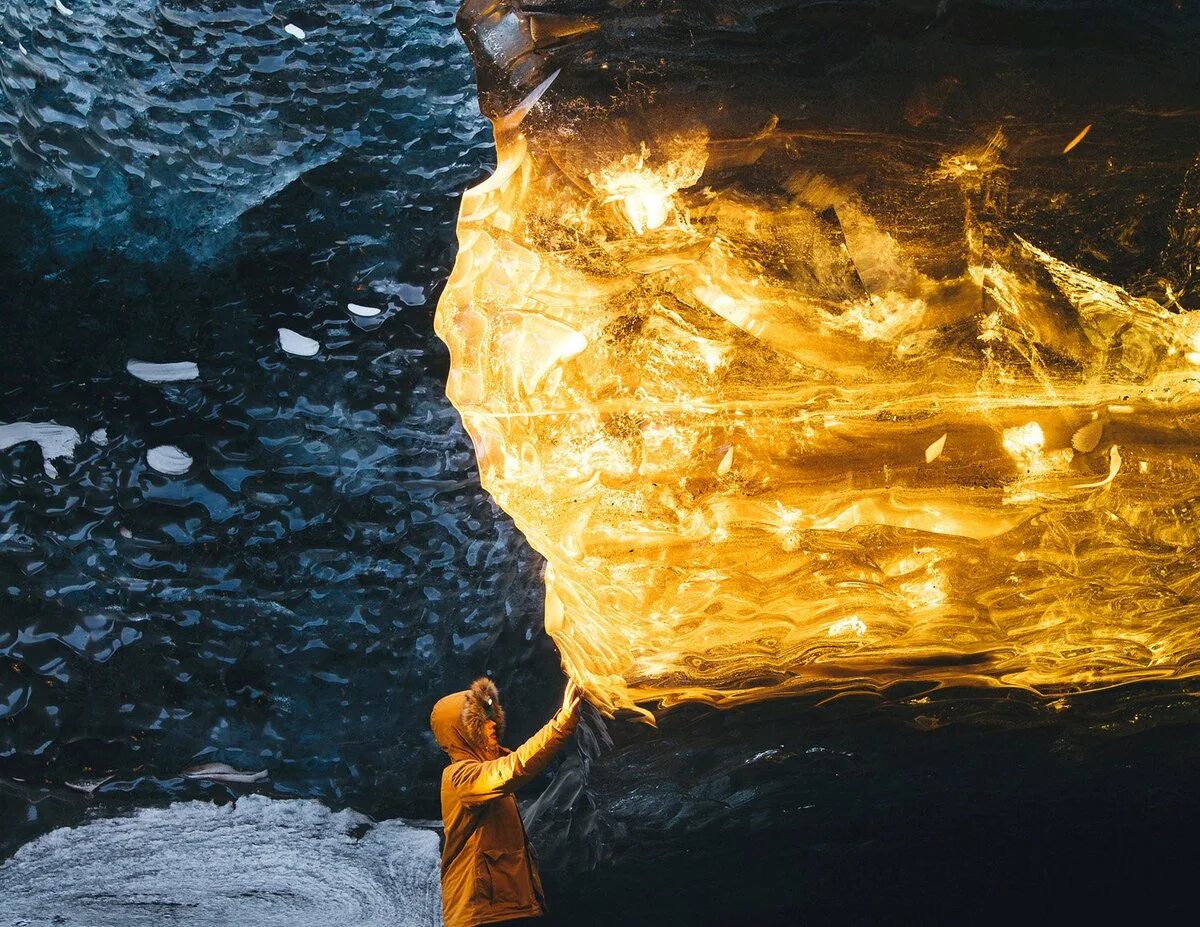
{"points": [[263, 863]]}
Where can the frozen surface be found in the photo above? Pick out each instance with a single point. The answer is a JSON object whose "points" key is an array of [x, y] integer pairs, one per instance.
{"points": [[298, 344], [262, 863], [54, 440], [163, 373], [329, 565], [169, 459]]}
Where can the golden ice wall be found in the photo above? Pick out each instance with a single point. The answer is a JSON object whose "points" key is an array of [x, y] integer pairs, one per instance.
{"points": [[763, 451]]}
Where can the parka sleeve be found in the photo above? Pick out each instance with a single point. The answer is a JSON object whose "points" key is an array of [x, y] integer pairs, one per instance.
{"points": [[477, 782]]}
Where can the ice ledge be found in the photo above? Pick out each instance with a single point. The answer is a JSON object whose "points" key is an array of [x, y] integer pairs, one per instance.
{"points": [[263, 863]]}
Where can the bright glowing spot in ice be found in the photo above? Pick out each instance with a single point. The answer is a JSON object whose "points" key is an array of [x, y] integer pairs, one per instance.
{"points": [[163, 373], [365, 312], [647, 207], [852, 625], [1025, 443], [166, 458], [934, 451], [295, 31], [298, 344]]}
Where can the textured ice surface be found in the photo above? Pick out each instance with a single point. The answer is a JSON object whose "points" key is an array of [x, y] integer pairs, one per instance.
{"points": [[262, 863], [328, 566], [189, 114]]}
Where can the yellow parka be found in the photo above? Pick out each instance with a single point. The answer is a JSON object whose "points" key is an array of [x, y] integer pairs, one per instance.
{"points": [[489, 872]]}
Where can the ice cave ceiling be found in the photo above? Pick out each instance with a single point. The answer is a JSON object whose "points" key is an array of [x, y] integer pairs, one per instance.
{"points": [[825, 345]]}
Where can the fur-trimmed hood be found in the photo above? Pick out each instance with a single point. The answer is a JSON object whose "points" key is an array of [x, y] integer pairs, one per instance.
{"points": [[458, 719]]}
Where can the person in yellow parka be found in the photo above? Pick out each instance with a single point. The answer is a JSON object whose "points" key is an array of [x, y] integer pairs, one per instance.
{"points": [[489, 873]]}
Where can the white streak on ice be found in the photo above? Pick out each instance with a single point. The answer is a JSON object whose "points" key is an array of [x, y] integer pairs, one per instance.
{"points": [[222, 772], [167, 458], [163, 373], [54, 440], [295, 31], [298, 344], [62, 9], [517, 114], [365, 311], [263, 863]]}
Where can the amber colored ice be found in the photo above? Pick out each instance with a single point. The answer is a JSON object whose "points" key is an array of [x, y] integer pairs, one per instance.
{"points": [[763, 454]]}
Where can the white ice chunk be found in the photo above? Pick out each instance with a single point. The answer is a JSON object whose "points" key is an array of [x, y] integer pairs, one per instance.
{"points": [[365, 311], [259, 863], [99, 436], [163, 373], [54, 440], [295, 31], [847, 626], [167, 458], [223, 772], [934, 451], [298, 344], [513, 118], [62, 9]]}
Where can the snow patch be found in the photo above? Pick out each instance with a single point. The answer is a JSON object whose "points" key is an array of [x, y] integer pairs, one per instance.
{"points": [[295, 31], [163, 373], [298, 344], [54, 440], [261, 863], [167, 458], [365, 312]]}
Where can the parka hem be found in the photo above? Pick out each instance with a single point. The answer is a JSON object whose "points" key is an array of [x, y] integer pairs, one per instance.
{"points": [[494, 916]]}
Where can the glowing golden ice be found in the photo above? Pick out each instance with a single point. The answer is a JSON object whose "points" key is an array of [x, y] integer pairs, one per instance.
{"points": [[761, 455]]}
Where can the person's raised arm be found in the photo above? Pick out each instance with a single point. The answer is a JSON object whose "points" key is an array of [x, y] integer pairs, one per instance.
{"points": [[479, 782]]}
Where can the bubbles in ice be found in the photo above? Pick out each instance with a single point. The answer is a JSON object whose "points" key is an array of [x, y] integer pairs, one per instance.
{"points": [[167, 458], [298, 344]]}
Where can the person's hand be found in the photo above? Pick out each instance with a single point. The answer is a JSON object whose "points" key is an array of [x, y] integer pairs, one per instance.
{"points": [[571, 699]]}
